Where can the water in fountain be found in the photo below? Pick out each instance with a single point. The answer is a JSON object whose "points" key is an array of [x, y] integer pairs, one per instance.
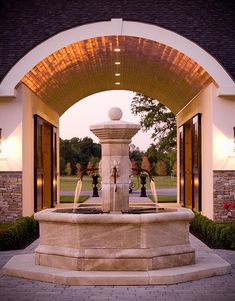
{"points": [[154, 192], [77, 194]]}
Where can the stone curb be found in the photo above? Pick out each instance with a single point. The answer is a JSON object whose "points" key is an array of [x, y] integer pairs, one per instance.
{"points": [[207, 265]]}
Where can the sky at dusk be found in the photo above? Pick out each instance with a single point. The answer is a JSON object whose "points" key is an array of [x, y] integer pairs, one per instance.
{"points": [[94, 109]]}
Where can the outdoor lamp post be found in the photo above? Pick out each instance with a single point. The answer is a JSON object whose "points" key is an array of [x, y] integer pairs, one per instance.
{"points": [[95, 183], [143, 182]]}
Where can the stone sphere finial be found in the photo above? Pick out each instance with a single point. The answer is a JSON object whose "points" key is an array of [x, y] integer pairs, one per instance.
{"points": [[115, 113]]}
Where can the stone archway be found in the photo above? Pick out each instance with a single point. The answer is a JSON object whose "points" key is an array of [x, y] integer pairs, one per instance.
{"points": [[62, 68], [118, 27]]}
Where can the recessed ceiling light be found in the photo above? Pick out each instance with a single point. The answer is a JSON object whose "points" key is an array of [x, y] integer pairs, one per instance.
{"points": [[117, 74], [117, 83], [117, 49], [117, 63]]}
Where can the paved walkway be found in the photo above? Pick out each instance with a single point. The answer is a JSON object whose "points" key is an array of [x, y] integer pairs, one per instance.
{"points": [[218, 288]]}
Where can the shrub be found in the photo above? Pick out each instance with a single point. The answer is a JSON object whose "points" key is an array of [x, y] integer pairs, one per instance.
{"points": [[213, 233], [8, 239], [227, 236], [16, 235], [217, 231]]}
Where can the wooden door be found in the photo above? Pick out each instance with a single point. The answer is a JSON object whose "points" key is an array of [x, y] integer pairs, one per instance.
{"points": [[182, 165], [45, 164], [38, 163], [54, 166], [196, 162], [190, 163], [47, 172]]}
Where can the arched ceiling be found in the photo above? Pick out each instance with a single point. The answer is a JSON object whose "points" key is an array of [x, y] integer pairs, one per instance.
{"points": [[87, 67]]}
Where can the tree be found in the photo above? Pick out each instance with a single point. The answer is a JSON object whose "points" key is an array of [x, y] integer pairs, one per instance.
{"points": [[145, 164], [136, 155], [62, 166], [153, 156], [78, 170], [68, 169], [174, 170], [90, 165], [95, 161], [79, 150], [161, 168], [134, 167], [156, 116]]}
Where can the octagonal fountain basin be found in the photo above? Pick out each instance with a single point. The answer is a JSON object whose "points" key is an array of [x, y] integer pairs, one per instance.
{"points": [[114, 242]]}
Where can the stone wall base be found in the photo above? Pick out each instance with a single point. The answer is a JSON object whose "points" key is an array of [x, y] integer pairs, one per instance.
{"points": [[10, 195], [224, 192]]}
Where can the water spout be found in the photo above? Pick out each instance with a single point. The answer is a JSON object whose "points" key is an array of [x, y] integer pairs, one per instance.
{"points": [[115, 173], [77, 194], [115, 178], [154, 192]]}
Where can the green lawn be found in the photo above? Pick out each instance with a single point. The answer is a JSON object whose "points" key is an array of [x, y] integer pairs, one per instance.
{"points": [[164, 198], [160, 182], [83, 198], [70, 198], [165, 182], [68, 183]]}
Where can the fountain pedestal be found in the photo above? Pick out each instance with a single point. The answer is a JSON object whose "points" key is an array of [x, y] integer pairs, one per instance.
{"points": [[115, 136]]}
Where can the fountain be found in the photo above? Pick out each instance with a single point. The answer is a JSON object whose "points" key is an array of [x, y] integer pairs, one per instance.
{"points": [[113, 244], [114, 240]]}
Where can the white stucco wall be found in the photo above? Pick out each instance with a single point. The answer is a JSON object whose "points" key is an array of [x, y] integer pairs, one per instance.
{"points": [[202, 103], [218, 120], [223, 123], [31, 105], [11, 125]]}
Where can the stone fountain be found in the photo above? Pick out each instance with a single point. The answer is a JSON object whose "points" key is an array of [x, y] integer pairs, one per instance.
{"points": [[113, 246], [114, 240]]}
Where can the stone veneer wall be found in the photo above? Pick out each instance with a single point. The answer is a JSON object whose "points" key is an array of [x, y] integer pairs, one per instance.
{"points": [[10, 195], [224, 191]]}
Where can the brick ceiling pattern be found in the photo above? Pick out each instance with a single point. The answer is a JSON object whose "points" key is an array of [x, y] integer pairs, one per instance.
{"points": [[117, 62]]}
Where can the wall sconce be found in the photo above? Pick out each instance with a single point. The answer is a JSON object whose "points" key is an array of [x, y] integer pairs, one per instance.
{"points": [[9, 148], [232, 154], [2, 155], [234, 139], [0, 141]]}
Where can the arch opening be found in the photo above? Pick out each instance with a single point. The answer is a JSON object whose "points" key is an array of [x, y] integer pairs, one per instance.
{"points": [[120, 62], [119, 29]]}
